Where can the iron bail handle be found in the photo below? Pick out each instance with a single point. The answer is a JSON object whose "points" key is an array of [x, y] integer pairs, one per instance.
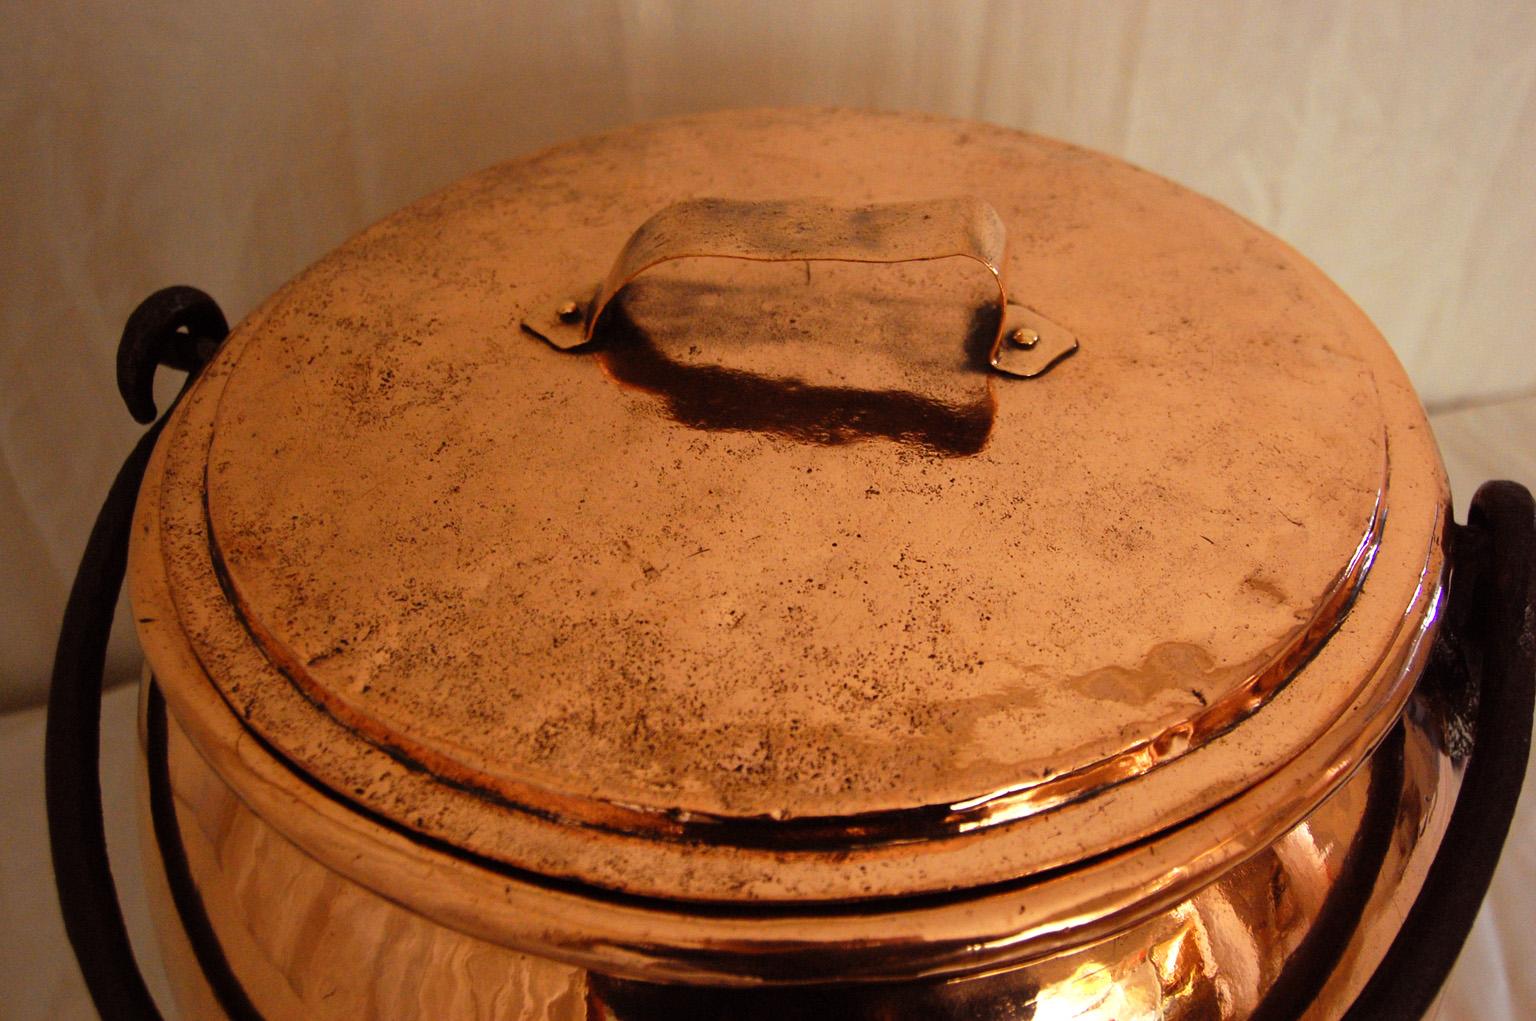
{"points": [[811, 230], [179, 328]]}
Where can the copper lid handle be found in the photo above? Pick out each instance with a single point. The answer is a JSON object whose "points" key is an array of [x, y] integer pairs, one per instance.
{"points": [[810, 230]]}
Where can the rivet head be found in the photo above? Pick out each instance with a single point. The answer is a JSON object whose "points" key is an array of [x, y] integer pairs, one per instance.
{"points": [[1024, 337], [569, 312]]}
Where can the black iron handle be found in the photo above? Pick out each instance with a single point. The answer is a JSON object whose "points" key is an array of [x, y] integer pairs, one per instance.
{"points": [[179, 327], [1490, 629]]}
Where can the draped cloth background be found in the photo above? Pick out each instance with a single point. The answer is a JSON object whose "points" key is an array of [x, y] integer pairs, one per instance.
{"points": [[228, 146]]}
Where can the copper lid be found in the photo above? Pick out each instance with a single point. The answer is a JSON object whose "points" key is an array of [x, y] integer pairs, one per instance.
{"points": [[765, 584]]}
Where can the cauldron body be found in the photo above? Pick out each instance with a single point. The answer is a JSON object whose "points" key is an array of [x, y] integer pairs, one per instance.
{"points": [[1296, 930]]}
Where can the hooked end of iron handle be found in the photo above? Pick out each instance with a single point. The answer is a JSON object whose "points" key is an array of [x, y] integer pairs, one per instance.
{"points": [[178, 327]]}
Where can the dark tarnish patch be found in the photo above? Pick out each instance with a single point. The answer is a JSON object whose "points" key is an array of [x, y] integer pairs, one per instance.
{"points": [[711, 397], [1265, 587]]}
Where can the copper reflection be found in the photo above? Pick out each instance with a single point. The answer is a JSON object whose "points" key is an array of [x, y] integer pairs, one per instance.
{"points": [[1289, 930]]}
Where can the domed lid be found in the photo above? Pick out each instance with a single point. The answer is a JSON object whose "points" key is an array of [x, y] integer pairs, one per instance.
{"points": [[710, 511]]}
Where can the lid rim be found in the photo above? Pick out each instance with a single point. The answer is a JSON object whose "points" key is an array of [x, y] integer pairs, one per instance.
{"points": [[800, 858], [165, 639]]}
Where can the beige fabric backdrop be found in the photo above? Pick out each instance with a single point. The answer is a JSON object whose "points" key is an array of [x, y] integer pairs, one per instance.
{"points": [[228, 145]]}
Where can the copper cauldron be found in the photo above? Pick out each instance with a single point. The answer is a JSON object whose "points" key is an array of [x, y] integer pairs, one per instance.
{"points": [[815, 564]]}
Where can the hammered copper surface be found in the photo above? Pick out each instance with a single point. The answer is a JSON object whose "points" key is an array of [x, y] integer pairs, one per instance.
{"points": [[785, 647], [309, 943]]}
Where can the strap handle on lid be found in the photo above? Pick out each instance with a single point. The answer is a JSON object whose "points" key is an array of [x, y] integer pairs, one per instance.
{"points": [[810, 230]]}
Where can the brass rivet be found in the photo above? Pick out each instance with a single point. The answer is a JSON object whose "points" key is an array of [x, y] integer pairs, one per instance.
{"points": [[569, 312], [1024, 337]]}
